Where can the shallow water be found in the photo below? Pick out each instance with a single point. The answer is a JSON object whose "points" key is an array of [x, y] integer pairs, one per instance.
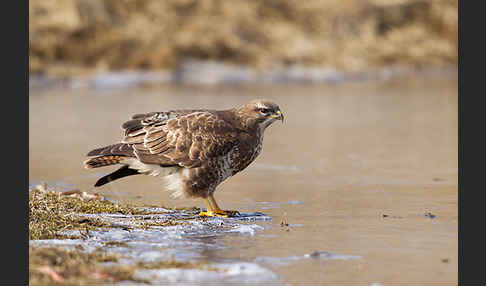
{"points": [[364, 170]]}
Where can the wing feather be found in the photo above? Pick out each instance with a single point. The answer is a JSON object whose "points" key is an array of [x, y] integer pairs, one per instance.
{"points": [[159, 149], [187, 138], [134, 139], [153, 143], [155, 135]]}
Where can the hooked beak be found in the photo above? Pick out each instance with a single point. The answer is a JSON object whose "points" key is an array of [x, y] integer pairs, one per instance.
{"points": [[278, 115]]}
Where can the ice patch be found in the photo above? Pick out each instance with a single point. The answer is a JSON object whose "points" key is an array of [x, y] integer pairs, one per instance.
{"points": [[278, 261], [189, 240], [317, 255], [247, 229], [243, 273], [186, 240], [330, 256], [251, 216]]}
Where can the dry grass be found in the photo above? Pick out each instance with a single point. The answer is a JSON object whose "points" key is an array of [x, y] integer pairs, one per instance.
{"points": [[172, 263], [80, 36], [51, 212], [55, 266]]}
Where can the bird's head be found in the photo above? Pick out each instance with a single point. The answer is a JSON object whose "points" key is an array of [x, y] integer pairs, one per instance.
{"points": [[259, 113]]}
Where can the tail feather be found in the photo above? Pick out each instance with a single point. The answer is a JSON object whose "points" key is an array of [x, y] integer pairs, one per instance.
{"points": [[115, 149], [120, 173], [111, 155], [104, 160]]}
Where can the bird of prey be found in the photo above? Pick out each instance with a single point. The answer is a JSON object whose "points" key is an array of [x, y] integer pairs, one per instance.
{"points": [[192, 150]]}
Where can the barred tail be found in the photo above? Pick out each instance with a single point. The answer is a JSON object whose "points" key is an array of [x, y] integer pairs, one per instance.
{"points": [[104, 160]]}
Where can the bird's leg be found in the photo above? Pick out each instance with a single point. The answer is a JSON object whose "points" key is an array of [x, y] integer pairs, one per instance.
{"points": [[209, 209], [219, 212]]}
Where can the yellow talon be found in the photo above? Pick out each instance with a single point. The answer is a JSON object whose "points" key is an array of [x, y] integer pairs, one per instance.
{"points": [[209, 209], [228, 213], [219, 212], [215, 210], [206, 214]]}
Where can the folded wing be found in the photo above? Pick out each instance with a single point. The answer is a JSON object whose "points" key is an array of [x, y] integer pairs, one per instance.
{"points": [[187, 138]]}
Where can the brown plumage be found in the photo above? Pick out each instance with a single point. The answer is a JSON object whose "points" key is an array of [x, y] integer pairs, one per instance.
{"points": [[105, 160], [193, 150]]}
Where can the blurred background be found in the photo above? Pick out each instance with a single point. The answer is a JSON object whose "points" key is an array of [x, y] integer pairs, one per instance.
{"points": [[75, 37]]}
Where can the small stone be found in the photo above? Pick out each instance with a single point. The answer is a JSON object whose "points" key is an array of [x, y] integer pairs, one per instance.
{"points": [[316, 254], [430, 215]]}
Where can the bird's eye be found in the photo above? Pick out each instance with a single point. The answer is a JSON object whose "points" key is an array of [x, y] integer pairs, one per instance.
{"points": [[264, 110]]}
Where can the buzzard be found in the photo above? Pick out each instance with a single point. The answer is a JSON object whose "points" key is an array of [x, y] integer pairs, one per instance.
{"points": [[192, 150]]}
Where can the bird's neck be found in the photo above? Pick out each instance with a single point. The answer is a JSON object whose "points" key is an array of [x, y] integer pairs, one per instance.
{"points": [[231, 116], [244, 123]]}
